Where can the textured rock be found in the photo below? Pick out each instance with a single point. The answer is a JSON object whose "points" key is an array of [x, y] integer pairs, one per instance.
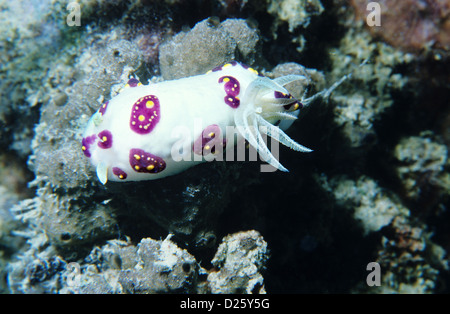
{"points": [[239, 261], [423, 167], [150, 267], [373, 207], [412, 25], [295, 12], [208, 45]]}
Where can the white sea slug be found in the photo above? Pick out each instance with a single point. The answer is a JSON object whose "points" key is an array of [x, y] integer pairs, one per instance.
{"points": [[130, 138]]}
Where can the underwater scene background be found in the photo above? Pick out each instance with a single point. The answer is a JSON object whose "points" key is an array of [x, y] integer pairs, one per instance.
{"points": [[366, 212]]}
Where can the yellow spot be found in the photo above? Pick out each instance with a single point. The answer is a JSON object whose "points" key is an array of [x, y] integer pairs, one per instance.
{"points": [[141, 118], [120, 176], [104, 105], [207, 147], [149, 104], [126, 86], [226, 65], [253, 70], [136, 108], [139, 84], [83, 147], [296, 106], [137, 167], [211, 134], [150, 168], [237, 98], [104, 138], [137, 157], [133, 123], [226, 80], [210, 71]]}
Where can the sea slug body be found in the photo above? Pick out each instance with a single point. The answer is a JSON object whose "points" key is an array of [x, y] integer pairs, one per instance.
{"points": [[132, 137]]}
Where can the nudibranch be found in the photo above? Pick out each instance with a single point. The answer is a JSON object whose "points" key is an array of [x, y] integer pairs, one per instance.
{"points": [[132, 136]]}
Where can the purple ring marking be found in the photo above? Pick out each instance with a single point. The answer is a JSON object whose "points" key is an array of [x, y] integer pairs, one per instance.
{"points": [[145, 114], [122, 175], [103, 107], [141, 161], [295, 105], [132, 82], [231, 101], [106, 139], [232, 89], [210, 141], [86, 144], [232, 86]]}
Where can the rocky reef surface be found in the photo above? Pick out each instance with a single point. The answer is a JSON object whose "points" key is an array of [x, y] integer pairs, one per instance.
{"points": [[375, 189]]}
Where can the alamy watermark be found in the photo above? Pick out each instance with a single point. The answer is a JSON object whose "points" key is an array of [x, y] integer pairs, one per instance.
{"points": [[374, 277], [374, 17], [229, 146], [74, 17], [73, 274]]}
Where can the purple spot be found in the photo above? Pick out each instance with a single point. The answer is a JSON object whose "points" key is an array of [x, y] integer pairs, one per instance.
{"points": [[86, 144], [132, 82], [210, 141], [216, 69], [231, 101], [232, 87], [142, 161], [103, 108], [145, 114], [106, 139], [278, 94], [122, 175]]}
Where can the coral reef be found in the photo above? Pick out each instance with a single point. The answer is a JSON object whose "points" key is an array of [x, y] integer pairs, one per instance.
{"points": [[375, 189], [411, 262], [151, 266], [423, 167], [411, 25], [119, 267], [359, 108], [372, 207], [409, 259], [295, 13], [239, 261], [208, 45]]}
